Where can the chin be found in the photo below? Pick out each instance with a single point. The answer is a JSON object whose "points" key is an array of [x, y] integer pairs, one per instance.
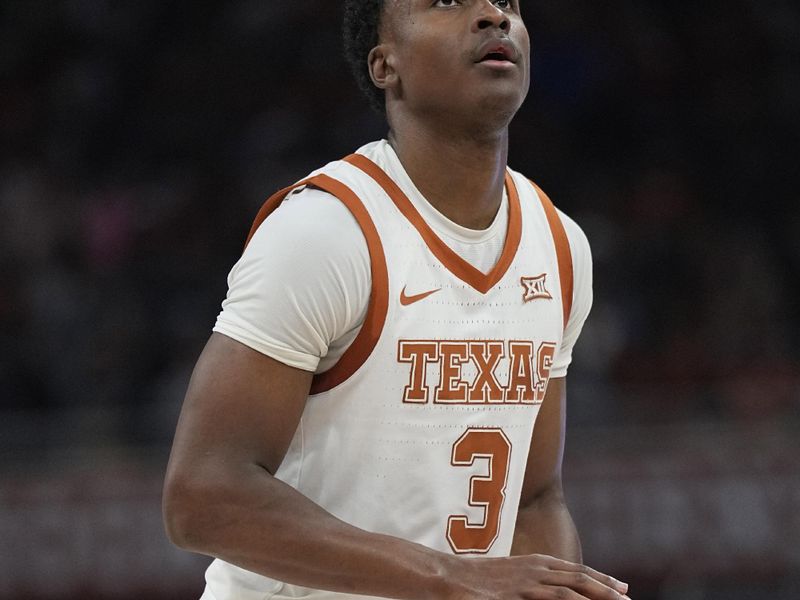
{"points": [[499, 107]]}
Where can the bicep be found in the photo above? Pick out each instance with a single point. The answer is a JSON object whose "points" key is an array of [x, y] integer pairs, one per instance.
{"points": [[543, 469], [241, 408]]}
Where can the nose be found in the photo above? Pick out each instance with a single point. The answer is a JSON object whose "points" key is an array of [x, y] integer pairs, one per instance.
{"points": [[489, 15]]}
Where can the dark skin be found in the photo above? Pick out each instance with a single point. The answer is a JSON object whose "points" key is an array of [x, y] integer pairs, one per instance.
{"points": [[453, 138], [449, 117]]}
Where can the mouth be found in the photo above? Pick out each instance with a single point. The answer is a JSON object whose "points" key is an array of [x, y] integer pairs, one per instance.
{"points": [[497, 51]]}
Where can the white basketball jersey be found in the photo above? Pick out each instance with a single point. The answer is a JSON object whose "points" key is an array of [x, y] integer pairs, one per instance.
{"points": [[422, 429]]}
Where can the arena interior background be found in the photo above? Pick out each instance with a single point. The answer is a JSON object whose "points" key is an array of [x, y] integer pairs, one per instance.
{"points": [[137, 140]]}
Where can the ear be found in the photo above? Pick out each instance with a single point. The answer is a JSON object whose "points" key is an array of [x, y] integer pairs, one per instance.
{"points": [[381, 64]]}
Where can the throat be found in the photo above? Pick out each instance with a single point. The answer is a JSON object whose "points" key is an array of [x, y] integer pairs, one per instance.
{"points": [[464, 182]]}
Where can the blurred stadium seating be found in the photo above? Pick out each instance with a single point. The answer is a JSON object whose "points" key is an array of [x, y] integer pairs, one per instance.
{"points": [[138, 139]]}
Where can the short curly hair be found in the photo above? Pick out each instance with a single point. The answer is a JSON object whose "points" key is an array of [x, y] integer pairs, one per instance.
{"points": [[362, 21]]}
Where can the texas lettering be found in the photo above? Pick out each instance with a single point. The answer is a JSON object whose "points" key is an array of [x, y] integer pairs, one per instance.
{"points": [[476, 371]]}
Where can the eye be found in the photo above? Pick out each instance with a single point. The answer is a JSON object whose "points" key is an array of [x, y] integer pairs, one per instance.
{"points": [[446, 3], [503, 3]]}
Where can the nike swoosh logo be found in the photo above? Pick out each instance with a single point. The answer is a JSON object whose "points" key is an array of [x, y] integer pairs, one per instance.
{"points": [[407, 300]]}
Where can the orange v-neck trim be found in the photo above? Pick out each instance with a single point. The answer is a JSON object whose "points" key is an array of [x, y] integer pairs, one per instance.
{"points": [[459, 267]]}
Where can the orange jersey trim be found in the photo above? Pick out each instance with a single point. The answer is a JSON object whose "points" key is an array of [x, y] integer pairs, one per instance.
{"points": [[364, 343], [563, 252], [270, 205], [482, 282]]}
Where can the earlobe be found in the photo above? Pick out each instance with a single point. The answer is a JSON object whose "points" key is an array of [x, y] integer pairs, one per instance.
{"points": [[381, 68]]}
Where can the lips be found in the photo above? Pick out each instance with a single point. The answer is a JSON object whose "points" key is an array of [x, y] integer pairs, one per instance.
{"points": [[497, 49]]}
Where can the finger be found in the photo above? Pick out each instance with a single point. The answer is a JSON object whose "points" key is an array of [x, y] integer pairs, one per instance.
{"points": [[583, 583], [546, 592], [558, 564]]}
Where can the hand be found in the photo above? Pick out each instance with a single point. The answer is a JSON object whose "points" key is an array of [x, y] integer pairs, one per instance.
{"points": [[532, 577]]}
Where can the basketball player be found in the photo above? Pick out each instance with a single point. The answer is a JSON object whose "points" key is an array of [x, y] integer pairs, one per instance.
{"points": [[361, 422]]}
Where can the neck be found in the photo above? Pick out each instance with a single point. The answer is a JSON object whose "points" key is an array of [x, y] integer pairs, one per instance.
{"points": [[461, 176]]}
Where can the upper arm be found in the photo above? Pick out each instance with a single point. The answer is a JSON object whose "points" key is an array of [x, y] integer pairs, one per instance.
{"points": [[543, 469], [300, 287], [238, 417], [241, 410]]}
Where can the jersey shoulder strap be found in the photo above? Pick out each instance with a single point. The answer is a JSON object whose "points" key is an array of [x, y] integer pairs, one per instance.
{"points": [[563, 251], [366, 339]]}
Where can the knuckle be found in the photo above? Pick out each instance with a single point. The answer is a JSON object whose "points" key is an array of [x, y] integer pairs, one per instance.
{"points": [[561, 593], [539, 558], [580, 580]]}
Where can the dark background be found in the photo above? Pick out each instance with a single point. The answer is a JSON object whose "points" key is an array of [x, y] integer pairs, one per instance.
{"points": [[138, 139]]}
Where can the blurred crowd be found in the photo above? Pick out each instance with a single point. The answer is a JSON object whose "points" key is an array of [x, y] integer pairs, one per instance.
{"points": [[138, 139]]}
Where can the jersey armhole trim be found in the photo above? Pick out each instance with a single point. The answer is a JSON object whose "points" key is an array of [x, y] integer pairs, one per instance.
{"points": [[563, 252], [459, 267], [270, 205], [362, 346]]}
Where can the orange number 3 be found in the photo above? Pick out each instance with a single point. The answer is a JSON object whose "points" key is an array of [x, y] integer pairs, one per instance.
{"points": [[486, 491]]}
